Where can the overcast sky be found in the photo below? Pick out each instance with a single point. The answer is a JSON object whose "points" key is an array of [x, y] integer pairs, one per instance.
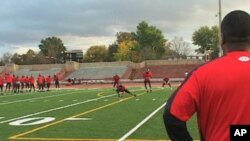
{"points": [[82, 23]]}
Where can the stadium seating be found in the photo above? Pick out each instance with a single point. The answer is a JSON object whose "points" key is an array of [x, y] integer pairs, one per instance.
{"points": [[29, 72], [98, 72]]}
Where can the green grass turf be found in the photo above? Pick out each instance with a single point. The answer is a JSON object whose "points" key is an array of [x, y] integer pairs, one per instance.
{"points": [[111, 118]]}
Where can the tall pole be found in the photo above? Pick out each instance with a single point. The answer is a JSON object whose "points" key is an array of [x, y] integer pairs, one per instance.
{"points": [[219, 34]]}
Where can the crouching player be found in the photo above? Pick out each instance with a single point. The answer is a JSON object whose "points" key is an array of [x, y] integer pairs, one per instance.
{"points": [[166, 81], [120, 89]]}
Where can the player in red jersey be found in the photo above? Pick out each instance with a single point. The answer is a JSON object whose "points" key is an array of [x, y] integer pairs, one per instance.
{"points": [[48, 82], [27, 83], [32, 83], [56, 79], [218, 91], [147, 75], [16, 84], [120, 89], [1, 84], [166, 81], [40, 82], [22, 80], [116, 80], [9, 80]]}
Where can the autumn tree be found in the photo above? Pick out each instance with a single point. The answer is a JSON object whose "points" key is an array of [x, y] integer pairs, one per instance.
{"points": [[96, 54], [126, 51]]}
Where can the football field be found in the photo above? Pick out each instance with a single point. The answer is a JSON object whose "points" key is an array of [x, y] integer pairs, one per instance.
{"points": [[85, 114]]}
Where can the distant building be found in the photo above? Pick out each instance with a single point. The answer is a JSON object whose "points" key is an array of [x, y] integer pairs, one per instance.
{"points": [[74, 55]]}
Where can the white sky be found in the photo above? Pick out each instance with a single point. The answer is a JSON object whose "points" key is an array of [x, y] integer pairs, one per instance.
{"points": [[83, 23]]}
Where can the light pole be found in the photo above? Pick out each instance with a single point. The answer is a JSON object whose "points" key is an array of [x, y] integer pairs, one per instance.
{"points": [[219, 34]]}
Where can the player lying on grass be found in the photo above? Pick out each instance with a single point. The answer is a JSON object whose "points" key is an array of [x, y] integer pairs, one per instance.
{"points": [[120, 89]]}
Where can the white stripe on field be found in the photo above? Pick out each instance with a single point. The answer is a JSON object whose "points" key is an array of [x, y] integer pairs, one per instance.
{"points": [[34, 98], [141, 123], [59, 108]]}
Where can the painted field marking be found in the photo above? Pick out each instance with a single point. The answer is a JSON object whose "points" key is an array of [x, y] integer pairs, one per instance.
{"points": [[100, 94], [55, 109], [34, 98], [73, 119], [22, 94], [141, 123], [60, 121]]}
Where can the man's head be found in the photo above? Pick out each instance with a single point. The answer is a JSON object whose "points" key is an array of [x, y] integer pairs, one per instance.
{"points": [[235, 29]]}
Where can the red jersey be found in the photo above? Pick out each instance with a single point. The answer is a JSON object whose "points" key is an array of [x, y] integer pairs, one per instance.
{"points": [[166, 79], [121, 88], [147, 75], [48, 79], [40, 79], [116, 78], [219, 93], [1, 81], [26, 80], [9, 79], [31, 80], [22, 79]]}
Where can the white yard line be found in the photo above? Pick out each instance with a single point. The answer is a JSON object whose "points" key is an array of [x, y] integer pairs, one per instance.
{"points": [[55, 109], [34, 98], [22, 94], [140, 124]]}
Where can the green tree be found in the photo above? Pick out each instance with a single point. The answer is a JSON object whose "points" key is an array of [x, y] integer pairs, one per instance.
{"points": [[52, 47], [123, 36], [112, 50], [151, 41], [17, 59], [207, 39], [96, 54]]}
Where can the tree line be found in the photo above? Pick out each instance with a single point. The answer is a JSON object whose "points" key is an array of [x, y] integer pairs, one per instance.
{"points": [[146, 43]]}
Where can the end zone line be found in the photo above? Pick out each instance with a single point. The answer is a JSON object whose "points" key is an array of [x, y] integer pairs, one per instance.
{"points": [[19, 136], [141, 123]]}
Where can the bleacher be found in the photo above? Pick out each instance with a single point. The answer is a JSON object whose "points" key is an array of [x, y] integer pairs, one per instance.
{"points": [[103, 72], [28, 72]]}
